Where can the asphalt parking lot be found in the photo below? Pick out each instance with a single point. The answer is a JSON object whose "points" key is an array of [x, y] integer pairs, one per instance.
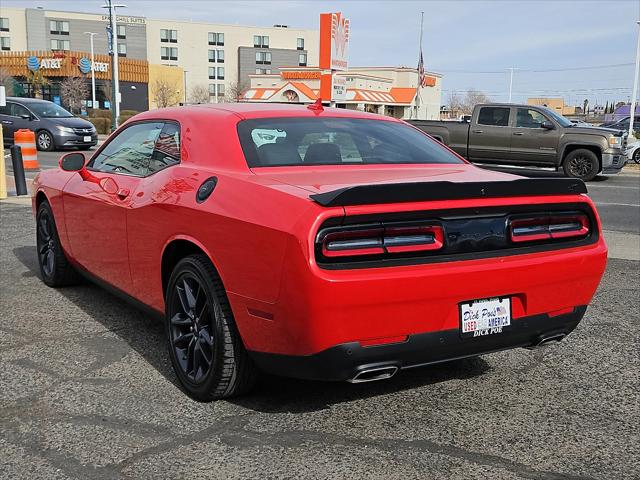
{"points": [[86, 391]]}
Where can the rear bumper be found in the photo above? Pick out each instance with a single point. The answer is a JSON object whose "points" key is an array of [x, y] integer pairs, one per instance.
{"points": [[345, 361]]}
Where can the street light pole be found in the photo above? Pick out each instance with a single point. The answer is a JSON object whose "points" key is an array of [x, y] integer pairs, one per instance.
{"points": [[115, 81], [511, 83], [185, 87], [93, 71], [634, 95]]}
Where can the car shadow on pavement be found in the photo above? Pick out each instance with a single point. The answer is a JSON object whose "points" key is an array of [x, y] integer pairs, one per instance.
{"points": [[145, 335]]}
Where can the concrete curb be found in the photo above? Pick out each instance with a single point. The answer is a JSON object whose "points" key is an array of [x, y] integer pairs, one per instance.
{"points": [[625, 246]]}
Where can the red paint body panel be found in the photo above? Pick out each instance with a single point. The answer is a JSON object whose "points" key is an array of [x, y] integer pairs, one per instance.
{"points": [[259, 226]]}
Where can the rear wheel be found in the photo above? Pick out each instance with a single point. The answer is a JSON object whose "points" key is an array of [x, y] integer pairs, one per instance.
{"points": [[206, 350], [582, 164], [636, 156], [55, 269]]}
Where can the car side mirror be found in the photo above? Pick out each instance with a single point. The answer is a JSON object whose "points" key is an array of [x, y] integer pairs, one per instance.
{"points": [[72, 162], [547, 125]]}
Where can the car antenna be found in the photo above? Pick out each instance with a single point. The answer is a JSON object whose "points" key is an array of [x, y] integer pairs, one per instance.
{"points": [[316, 106]]}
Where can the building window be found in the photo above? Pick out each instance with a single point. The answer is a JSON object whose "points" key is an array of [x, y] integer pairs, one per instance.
{"points": [[60, 45], [168, 35], [302, 60], [169, 53], [220, 73], [263, 58], [260, 41], [263, 71], [122, 31], [5, 43], [216, 39], [212, 73], [216, 55], [221, 89], [122, 49], [58, 27], [300, 44], [4, 24], [212, 89]]}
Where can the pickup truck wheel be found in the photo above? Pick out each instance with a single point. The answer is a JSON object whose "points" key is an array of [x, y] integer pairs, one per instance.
{"points": [[205, 347], [582, 164]]}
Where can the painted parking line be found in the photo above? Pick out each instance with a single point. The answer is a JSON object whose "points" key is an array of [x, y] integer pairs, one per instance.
{"points": [[606, 204]]}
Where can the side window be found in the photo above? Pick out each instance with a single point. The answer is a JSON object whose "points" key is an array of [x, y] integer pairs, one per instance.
{"points": [[526, 118], [18, 110], [167, 149], [6, 110], [130, 152], [495, 116]]}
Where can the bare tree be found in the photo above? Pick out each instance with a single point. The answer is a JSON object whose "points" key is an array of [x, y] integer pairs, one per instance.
{"points": [[456, 104], [472, 98], [199, 94], [73, 91], [236, 90], [165, 93], [7, 81]]}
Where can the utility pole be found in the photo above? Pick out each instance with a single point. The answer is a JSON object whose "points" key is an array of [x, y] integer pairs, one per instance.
{"points": [[185, 86], [511, 82], [115, 83], [634, 95], [93, 71]]}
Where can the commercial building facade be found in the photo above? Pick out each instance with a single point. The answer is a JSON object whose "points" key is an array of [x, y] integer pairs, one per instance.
{"points": [[216, 58], [391, 91]]}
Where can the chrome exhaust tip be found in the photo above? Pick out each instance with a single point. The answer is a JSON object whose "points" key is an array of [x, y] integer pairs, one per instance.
{"points": [[374, 374], [544, 340]]}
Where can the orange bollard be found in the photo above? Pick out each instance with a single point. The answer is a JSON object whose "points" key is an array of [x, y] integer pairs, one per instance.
{"points": [[26, 140]]}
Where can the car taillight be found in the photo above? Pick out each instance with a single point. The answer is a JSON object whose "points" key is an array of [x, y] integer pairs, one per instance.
{"points": [[548, 227], [379, 241]]}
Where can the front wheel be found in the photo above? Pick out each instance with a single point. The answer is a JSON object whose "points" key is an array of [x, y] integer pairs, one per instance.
{"points": [[582, 164], [636, 156], [55, 269], [44, 141], [206, 350]]}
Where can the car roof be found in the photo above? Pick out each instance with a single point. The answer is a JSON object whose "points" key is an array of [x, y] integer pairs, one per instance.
{"points": [[243, 111], [27, 100]]}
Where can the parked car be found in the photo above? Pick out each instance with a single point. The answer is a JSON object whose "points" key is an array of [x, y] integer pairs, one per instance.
{"points": [[346, 246], [622, 124], [526, 135], [55, 128], [633, 152]]}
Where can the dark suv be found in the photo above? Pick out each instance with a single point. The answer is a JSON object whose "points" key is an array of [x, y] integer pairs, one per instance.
{"points": [[55, 128]]}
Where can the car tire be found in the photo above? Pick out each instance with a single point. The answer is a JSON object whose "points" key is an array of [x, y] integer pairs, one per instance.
{"points": [[44, 141], [582, 164], [205, 347], [55, 269], [636, 156]]}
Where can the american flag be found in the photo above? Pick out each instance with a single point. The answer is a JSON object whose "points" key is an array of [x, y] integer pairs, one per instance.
{"points": [[421, 75]]}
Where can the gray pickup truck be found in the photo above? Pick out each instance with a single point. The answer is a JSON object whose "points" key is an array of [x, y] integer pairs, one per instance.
{"points": [[526, 135]]}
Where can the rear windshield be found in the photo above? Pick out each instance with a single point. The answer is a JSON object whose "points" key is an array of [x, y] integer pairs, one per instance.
{"points": [[271, 142]]}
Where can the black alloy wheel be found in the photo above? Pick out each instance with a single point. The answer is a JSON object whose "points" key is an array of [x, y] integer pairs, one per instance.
{"points": [[205, 346], [55, 269], [191, 330], [582, 164]]}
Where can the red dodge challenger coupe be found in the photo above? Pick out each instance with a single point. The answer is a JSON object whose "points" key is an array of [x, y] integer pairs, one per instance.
{"points": [[316, 243]]}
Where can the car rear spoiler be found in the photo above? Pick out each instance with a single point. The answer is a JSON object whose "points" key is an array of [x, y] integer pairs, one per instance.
{"points": [[425, 191]]}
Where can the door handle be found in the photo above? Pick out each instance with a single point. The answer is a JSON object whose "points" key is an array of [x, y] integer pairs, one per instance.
{"points": [[477, 131], [123, 193], [518, 133], [7, 122]]}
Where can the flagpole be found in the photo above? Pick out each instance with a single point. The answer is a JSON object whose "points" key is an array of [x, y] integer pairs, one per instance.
{"points": [[420, 60]]}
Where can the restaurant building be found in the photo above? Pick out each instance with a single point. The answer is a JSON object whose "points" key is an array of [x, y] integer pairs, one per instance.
{"points": [[391, 91]]}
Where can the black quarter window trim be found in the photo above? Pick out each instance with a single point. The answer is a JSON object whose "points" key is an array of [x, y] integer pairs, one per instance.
{"points": [[129, 125]]}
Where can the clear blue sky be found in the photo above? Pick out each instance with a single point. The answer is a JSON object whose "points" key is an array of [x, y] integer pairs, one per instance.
{"points": [[461, 38]]}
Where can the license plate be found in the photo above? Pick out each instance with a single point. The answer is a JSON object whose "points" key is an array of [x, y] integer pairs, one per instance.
{"points": [[87, 139], [489, 316]]}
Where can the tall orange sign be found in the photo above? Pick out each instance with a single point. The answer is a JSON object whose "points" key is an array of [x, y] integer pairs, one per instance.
{"points": [[334, 41]]}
